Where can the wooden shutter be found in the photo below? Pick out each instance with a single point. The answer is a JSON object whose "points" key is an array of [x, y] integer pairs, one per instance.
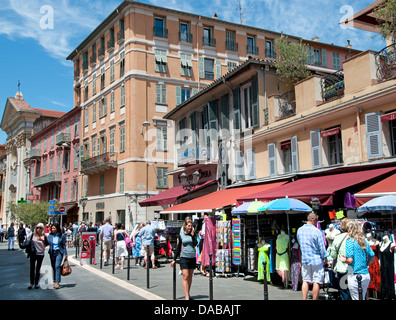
{"points": [[316, 150], [294, 153], [225, 110], [218, 68], [201, 67], [236, 109], [178, 95], [272, 159], [374, 135], [251, 163], [254, 103], [239, 165], [324, 58]]}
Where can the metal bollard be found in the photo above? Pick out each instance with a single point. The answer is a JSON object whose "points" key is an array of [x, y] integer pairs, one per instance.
{"points": [[148, 267], [129, 263], [114, 249], [360, 289], [174, 281], [265, 280], [101, 252], [210, 278]]}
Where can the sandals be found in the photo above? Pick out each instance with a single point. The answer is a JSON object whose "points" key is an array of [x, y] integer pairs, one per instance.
{"points": [[30, 287], [117, 267]]}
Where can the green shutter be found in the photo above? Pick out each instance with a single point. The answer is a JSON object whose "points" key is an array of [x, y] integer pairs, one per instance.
{"points": [[254, 103], [324, 58], [201, 67], [236, 109], [218, 68], [225, 124], [178, 95]]}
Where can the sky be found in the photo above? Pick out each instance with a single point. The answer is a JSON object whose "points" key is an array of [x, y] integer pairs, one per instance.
{"points": [[36, 36]]}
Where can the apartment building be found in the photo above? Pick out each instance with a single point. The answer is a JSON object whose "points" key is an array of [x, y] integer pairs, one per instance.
{"points": [[55, 163], [139, 64]]}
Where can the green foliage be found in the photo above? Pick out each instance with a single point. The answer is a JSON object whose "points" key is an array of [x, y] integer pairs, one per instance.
{"points": [[291, 60], [385, 13], [29, 213]]}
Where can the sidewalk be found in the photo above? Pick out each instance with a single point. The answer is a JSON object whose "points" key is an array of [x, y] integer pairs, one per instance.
{"points": [[161, 283]]}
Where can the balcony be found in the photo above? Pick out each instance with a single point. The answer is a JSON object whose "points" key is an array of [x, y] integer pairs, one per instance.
{"points": [[99, 164], [191, 154], [54, 177], [34, 154], [160, 32], [385, 61], [101, 53], [85, 66], [287, 104], [62, 138], [231, 46], [110, 45], [92, 60], [209, 42], [185, 37], [333, 86], [252, 50], [120, 36]]}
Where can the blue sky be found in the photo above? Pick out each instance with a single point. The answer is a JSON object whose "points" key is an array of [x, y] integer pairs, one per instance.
{"points": [[36, 36]]}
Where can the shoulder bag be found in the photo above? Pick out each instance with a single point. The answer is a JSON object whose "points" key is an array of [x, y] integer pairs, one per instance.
{"points": [[338, 250]]}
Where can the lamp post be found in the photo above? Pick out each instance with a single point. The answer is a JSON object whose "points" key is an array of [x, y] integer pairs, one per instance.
{"points": [[189, 184], [83, 203]]}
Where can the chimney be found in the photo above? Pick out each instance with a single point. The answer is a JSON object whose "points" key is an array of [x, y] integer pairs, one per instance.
{"points": [[315, 39], [349, 44], [215, 16]]}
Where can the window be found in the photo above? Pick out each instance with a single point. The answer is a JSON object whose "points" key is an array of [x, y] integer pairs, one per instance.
{"points": [[186, 65], [112, 102], [336, 60], [94, 84], [250, 164], [86, 94], [85, 186], [86, 117], [316, 57], [102, 78], [249, 105], [94, 146], [289, 155], [75, 158], [122, 95], [162, 178], [208, 37], [161, 138], [112, 132], [94, 112], [231, 65], [122, 180], [209, 68], [182, 94], [122, 63], [184, 33], [122, 138], [65, 192], [269, 48], [160, 27], [251, 45], [231, 45], [112, 70], [160, 60], [160, 93], [332, 145]]}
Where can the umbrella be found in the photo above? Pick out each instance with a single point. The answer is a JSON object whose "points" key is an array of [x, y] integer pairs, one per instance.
{"points": [[384, 204], [286, 204], [254, 206], [242, 208], [249, 208]]}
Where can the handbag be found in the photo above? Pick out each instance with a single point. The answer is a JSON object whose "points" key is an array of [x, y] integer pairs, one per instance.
{"points": [[338, 250], [66, 268]]}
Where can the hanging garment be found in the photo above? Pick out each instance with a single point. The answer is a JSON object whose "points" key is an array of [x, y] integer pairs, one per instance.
{"points": [[263, 256], [332, 215], [295, 269], [209, 245], [375, 272], [387, 273], [272, 256], [282, 256]]}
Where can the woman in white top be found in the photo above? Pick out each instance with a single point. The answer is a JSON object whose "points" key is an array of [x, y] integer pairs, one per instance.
{"points": [[38, 243]]}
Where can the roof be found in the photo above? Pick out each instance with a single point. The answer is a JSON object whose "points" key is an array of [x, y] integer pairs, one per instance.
{"points": [[50, 113]]}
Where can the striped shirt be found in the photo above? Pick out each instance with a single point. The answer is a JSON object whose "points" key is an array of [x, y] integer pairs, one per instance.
{"points": [[312, 246]]}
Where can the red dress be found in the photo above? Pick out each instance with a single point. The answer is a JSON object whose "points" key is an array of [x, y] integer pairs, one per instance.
{"points": [[375, 272]]}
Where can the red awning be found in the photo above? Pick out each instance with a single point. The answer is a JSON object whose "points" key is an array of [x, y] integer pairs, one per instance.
{"points": [[388, 117], [219, 199], [320, 188], [383, 188], [330, 132], [171, 195]]}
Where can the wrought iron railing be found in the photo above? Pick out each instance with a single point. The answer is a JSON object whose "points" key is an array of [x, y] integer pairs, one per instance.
{"points": [[185, 37], [287, 104], [160, 32], [333, 86], [385, 61], [231, 45], [209, 42], [53, 177], [99, 163]]}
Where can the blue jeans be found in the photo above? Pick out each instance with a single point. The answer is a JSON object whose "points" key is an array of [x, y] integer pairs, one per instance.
{"points": [[56, 261], [11, 241]]}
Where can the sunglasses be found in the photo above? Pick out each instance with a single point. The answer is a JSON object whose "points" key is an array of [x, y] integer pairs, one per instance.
{"points": [[39, 228]]}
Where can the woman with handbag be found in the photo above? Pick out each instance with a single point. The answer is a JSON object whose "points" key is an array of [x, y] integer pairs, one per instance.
{"points": [[35, 247], [57, 250], [121, 250]]}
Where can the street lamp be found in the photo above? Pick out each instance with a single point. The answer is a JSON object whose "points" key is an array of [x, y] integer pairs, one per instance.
{"points": [[189, 184], [83, 203]]}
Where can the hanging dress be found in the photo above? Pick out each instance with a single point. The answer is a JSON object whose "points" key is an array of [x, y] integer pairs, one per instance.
{"points": [[282, 257], [387, 273], [263, 256], [375, 272], [295, 268]]}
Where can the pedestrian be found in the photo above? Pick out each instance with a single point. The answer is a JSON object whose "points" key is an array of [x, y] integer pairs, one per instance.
{"points": [[187, 250], [57, 251], [137, 245], [120, 245], [106, 235], [21, 235], [340, 268], [28, 231], [147, 233], [359, 255], [2, 230], [38, 243], [313, 255], [11, 237], [69, 237]]}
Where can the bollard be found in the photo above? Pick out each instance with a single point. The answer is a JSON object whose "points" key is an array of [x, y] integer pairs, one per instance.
{"points": [[91, 253], [76, 245], [174, 281], [265, 280], [148, 267], [129, 263], [101, 252], [114, 247], [360, 289], [210, 278]]}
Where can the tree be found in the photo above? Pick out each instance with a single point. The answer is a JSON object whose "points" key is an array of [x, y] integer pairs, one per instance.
{"points": [[385, 13], [29, 213], [291, 59]]}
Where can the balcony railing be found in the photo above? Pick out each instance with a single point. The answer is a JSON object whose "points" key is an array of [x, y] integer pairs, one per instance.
{"points": [[209, 42], [252, 50], [231, 46], [35, 154], [333, 86], [99, 164], [287, 104], [101, 53], [160, 32], [54, 177], [110, 45], [92, 59], [185, 37], [62, 138], [120, 36], [385, 61]]}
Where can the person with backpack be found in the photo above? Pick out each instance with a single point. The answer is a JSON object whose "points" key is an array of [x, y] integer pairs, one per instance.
{"points": [[21, 235]]}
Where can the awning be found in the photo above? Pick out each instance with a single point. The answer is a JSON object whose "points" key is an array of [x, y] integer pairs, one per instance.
{"points": [[219, 199], [383, 188], [170, 196], [320, 188]]}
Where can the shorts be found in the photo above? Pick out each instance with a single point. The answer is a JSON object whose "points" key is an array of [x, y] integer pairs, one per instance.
{"points": [[107, 244], [144, 250], [312, 274], [188, 263]]}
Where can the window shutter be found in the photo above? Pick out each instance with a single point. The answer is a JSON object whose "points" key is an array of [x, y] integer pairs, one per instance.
{"points": [[324, 58], [225, 124], [272, 159], [100, 108], [294, 153], [316, 150], [194, 91], [157, 93], [218, 68], [239, 166], [251, 163], [201, 67], [163, 94], [213, 115], [178, 95], [254, 103], [374, 135], [105, 106], [236, 109]]}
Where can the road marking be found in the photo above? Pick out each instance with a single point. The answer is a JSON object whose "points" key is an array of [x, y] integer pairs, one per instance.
{"points": [[136, 290]]}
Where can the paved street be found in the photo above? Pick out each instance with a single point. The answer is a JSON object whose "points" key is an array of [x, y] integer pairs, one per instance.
{"points": [[91, 282]]}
